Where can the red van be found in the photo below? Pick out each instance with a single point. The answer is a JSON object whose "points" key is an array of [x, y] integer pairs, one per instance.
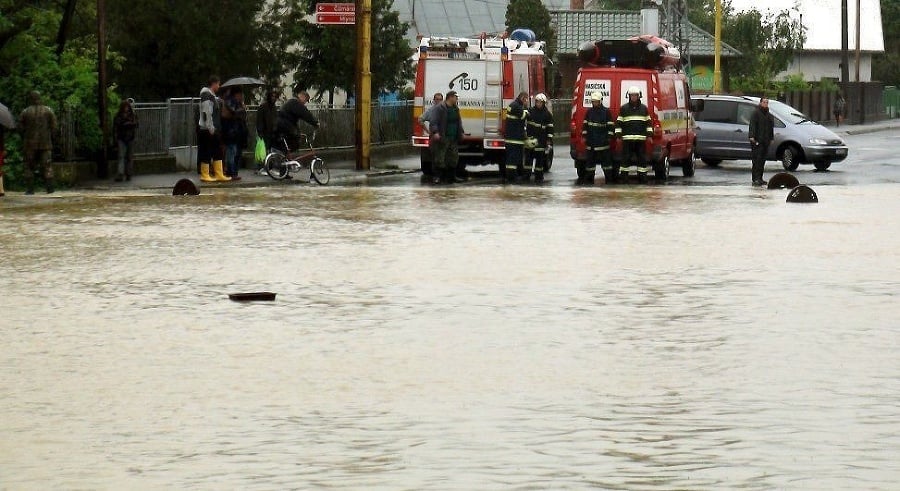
{"points": [[655, 67]]}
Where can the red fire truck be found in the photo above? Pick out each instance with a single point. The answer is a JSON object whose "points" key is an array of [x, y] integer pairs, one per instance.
{"points": [[654, 66], [487, 73]]}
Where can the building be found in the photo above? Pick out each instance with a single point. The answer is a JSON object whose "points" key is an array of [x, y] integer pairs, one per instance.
{"points": [[574, 27]]}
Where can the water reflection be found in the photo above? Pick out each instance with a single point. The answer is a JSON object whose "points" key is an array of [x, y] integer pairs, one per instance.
{"points": [[451, 338]]}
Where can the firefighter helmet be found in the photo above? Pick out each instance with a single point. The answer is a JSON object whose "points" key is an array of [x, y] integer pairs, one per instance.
{"points": [[540, 98], [597, 96], [634, 91]]}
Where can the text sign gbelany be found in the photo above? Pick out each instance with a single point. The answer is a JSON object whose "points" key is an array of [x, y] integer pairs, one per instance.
{"points": [[336, 19]]}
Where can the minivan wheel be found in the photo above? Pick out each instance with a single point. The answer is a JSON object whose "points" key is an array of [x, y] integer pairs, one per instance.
{"points": [[790, 158], [822, 165], [711, 162]]}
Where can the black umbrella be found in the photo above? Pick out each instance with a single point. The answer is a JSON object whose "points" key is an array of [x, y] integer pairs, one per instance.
{"points": [[6, 117], [243, 81]]}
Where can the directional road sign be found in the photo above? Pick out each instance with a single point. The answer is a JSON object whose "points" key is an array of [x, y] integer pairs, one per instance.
{"points": [[336, 19]]}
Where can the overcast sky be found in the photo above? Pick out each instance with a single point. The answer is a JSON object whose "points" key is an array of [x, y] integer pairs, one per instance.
{"points": [[822, 19]]}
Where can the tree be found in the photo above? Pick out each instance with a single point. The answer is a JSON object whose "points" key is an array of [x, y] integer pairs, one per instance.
{"points": [[323, 57], [532, 14], [28, 61], [767, 41], [886, 66], [171, 47]]}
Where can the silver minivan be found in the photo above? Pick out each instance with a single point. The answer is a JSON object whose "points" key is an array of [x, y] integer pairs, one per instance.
{"points": [[723, 121]]}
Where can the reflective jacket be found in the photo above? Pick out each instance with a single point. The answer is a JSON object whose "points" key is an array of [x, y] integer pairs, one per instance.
{"points": [[514, 131], [597, 129], [540, 125], [633, 123]]}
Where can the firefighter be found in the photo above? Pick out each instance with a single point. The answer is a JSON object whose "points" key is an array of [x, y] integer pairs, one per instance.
{"points": [[540, 128], [633, 127], [514, 138], [597, 130]]}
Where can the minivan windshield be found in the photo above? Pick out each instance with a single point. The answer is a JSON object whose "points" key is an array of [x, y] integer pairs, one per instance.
{"points": [[787, 113]]}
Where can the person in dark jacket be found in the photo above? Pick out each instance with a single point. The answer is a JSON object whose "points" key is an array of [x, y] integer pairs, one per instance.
{"points": [[762, 132], [446, 131], [234, 131], [267, 119], [292, 112], [597, 130], [514, 138], [540, 127], [633, 127], [124, 125]]}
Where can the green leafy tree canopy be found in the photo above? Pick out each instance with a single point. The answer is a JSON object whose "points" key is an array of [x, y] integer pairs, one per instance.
{"points": [[323, 57]]}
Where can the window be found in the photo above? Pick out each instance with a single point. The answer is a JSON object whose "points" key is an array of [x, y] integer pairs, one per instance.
{"points": [[717, 112]]}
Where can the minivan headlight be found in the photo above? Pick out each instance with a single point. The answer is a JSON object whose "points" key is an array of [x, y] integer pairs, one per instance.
{"points": [[817, 141]]}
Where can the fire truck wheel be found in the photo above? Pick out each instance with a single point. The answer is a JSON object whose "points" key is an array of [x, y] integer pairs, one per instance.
{"points": [[687, 167], [661, 169]]}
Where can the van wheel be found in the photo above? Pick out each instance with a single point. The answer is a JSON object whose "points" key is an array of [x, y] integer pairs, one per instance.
{"points": [[790, 159], [687, 166], [711, 162], [822, 165], [662, 169]]}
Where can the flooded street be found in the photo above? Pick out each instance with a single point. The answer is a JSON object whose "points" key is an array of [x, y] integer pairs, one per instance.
{"points": [[469, 337]]}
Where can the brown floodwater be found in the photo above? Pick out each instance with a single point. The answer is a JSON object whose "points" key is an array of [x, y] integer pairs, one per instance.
{"points": [[642, 338]]}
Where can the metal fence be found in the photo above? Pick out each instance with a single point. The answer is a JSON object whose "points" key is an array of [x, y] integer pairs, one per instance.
{"points": [[170, 127]]}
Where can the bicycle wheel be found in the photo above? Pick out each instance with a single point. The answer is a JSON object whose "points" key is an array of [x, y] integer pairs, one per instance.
{"points": [[276, 166], [319, 171]]}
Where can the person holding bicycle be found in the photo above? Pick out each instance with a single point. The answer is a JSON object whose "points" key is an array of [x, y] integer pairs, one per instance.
{"points": [[290, 113]]}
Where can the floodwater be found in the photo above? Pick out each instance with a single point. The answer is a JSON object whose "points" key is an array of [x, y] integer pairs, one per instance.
{"points": [[636, 338]]}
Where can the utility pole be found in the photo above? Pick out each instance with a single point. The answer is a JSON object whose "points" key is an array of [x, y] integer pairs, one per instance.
{"points": [[862, 92], [102, 163], [363, 83], [845, 48], [717, 65]]}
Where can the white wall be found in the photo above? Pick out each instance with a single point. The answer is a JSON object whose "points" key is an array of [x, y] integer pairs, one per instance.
{"points": [[816, 65]]}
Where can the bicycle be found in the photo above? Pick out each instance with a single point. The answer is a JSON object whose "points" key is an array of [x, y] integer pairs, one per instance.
{"points": [[281, 165]]}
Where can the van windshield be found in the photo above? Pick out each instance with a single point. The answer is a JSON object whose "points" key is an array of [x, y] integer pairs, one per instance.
{"points": [[787, 113]]}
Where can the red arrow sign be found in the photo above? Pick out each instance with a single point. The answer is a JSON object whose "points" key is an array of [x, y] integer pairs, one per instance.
{"points": [[336, 8], [336, 19]]}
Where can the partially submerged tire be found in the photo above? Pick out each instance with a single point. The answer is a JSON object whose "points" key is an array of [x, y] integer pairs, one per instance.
{"points": [[822, 166], [710, 162], [186, 187], [802, 194], [790, 159], [783, 180]]}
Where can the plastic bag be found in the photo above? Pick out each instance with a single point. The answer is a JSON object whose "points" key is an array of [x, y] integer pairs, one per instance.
{"points": [[260, 150]]}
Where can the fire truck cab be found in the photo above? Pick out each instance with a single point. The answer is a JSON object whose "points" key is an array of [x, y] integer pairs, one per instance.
{"points": [[654, 66], [487, 73]]}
